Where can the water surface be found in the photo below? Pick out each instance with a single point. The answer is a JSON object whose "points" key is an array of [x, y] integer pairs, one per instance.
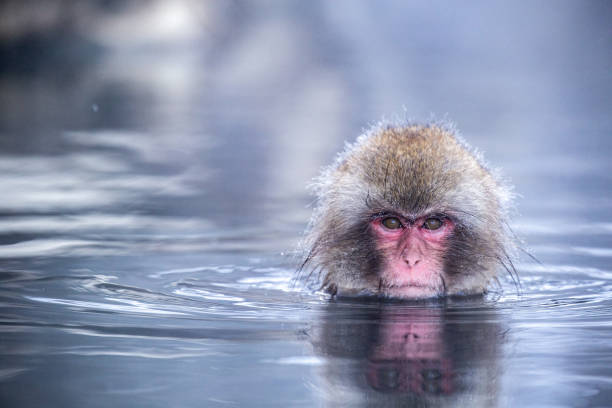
{"points": [[152, 195]]}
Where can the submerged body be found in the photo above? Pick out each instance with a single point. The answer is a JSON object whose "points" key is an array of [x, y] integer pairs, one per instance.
{"points": [[409, 212]]}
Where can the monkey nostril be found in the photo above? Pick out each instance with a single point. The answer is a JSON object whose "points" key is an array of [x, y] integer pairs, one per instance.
{"points": [[411, 261]]}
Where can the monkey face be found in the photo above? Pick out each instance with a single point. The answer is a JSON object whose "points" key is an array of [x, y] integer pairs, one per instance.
{"points": [[412, 253], [409, 212]]}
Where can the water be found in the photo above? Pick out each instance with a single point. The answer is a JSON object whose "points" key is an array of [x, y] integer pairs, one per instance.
{"points": [[152, 194]]}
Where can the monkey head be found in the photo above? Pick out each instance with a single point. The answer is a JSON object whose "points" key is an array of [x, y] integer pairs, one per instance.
{"points": [[408, 212]]}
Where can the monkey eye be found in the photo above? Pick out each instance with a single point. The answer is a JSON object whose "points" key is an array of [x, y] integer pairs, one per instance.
{"points": [[432, 223], [391, 223]]}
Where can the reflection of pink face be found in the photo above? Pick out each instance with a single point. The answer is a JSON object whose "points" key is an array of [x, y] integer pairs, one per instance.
{"points": [[412, 256], [409, 357]]}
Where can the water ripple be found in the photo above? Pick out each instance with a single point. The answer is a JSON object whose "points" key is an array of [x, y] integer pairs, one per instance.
{"points": [[131, 307]]}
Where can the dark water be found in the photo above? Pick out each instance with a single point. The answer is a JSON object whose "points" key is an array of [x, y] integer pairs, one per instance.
{"points": [[153, 188]]}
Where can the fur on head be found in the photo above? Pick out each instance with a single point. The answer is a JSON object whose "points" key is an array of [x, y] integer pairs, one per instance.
{"points": [[411, 170]]}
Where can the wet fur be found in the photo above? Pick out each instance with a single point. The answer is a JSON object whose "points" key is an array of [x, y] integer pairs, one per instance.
{"points": [[410, 169]]}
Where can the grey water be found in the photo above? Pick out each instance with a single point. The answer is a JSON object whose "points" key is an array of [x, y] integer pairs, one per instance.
{"points": [[153, 173]]}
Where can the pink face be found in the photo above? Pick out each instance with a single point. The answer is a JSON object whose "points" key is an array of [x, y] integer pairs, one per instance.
{"points": [[413, 254], [411, 344]]}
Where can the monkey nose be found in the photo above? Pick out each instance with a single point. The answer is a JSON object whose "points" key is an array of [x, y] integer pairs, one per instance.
{"points": [[412, 258], [411, 262]]}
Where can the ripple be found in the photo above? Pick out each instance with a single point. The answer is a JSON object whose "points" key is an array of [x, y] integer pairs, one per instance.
{"points": [[572, 250], [274, 279], [99, 222], [599, 252], [197, 269], [55, 247], [206, 294], [8, 373], [562, 227], [125, 244], [585, 271], [93, 178], [130, 307], [298, 360], [141, 352]]}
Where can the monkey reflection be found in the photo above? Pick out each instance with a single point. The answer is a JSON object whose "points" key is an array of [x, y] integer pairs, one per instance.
{"points": [[405, 355], [408, 356]]}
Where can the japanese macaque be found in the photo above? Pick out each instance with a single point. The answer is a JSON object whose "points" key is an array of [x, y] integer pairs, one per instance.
{"points": [[409, 212]]}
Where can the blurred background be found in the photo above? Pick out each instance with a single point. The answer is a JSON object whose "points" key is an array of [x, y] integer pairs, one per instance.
{"points": [[189, 107], [154, 158]]}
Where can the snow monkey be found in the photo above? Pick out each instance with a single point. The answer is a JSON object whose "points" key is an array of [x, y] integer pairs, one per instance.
{"points": [[409, 211]]}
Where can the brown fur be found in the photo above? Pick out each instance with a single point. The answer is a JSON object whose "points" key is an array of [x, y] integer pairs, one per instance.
{"points": [[413, 170]]}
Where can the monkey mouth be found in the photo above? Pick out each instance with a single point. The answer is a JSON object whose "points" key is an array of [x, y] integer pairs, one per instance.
{"points": [[407, 285], [409, 290], [384, 284]]}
